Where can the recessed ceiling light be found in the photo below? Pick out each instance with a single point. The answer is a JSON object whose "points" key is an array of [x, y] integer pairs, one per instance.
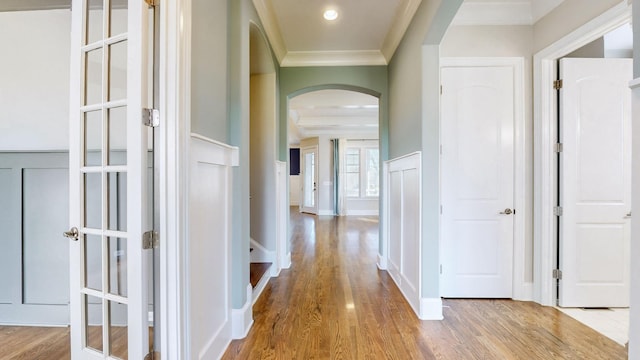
{"points": [[330, 14]]}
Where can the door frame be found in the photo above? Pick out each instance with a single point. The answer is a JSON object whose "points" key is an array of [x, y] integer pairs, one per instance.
{"points": [[522, 289], [172, 144], [545, 132]]}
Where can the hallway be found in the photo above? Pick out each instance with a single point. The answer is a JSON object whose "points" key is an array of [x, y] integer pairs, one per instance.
{"points": [[335, 304]]}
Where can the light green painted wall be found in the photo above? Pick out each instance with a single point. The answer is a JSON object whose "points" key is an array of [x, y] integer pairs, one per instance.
{"points": [[209, 69], [297, 80], [242, 15], [415, 121]]}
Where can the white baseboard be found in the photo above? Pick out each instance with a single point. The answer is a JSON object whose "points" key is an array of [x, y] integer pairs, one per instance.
{"points": [[261, 254], [257, 291], [363, 213], [286, 261], [325, 213], [524, 293], [242, 319], [431, 309], [382, 262]]}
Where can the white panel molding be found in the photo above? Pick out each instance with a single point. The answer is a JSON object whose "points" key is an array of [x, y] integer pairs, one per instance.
{"points": [[333, 58], [431, 309], [283, 255], [271, 27], [242, 319], [399, 27], [409, 281], [209, 160], [545, 130], [384, 219], [520, 291]]}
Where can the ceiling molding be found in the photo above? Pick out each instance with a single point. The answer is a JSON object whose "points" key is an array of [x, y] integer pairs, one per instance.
{"points": [[333, 58], [399, 26], [494, 13], [270, 24]]}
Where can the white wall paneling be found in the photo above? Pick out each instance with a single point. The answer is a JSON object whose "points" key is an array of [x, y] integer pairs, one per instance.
{"points": [[403, 186], [283, 252], [209, 247]]}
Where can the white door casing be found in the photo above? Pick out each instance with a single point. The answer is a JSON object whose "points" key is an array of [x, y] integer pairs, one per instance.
{"points": [[109, 87], [595, 182], [309, 172], [480, 109]]}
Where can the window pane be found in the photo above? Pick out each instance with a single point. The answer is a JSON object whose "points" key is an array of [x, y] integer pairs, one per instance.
{"points": [[352, 169], [373, 177], [353, 184]]}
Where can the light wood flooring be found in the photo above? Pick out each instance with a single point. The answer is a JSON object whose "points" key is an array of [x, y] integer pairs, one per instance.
{"points": [[335, 304]]}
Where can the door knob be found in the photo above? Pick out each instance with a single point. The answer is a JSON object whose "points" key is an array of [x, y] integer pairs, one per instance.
{"points": [[72, 234], [507, 211], [628, 215]]}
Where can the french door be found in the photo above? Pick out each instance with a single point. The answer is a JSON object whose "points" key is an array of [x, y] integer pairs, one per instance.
{"points": [[108, 177], [309, 180]]}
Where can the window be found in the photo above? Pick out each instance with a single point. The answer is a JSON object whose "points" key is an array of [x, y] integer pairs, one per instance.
{"points": [[362, 172], [373, 177], [352, 171]]}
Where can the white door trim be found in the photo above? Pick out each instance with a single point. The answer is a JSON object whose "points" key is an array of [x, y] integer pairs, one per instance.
{"points": [[175, 75], [545, 130], [522, 289]]}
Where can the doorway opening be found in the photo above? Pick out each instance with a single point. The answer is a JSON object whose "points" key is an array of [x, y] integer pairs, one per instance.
{"points": [[546, 167]]}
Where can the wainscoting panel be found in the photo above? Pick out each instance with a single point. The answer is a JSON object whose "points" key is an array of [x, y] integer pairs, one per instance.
{"points": [[209, 247], [403, 179]]}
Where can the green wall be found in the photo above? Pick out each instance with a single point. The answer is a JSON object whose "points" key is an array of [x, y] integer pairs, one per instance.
{"points": [[369, 79]]}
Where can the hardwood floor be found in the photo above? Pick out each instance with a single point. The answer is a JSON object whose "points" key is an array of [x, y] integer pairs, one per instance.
{"points": [[335, 304], [256, 271]]}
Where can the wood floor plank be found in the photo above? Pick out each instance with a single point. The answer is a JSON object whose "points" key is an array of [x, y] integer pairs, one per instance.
{"points": [[335, 304]]}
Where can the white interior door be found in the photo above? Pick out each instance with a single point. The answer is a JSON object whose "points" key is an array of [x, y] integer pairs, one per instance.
{"points": [[108, 179], [477, 181], [309, 180], [595, 182]]}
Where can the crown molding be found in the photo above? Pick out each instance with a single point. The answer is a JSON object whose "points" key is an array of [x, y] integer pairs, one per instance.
{"points": [[270, 23], [333, 58], [494, 13], [403, 18]]}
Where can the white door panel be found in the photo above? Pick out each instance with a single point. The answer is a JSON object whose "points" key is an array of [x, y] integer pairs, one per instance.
{"points": [[595, 182], [477, 181], [108, 160]]}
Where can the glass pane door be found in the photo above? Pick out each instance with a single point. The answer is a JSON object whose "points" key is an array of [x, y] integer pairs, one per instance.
{"points": [[108, 179]]}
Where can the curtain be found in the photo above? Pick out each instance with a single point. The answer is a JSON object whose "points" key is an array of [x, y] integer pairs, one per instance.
{"points": [[339, 169]]}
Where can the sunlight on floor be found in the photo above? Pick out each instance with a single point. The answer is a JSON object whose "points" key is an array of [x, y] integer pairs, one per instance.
{"points": [[612, 323]]}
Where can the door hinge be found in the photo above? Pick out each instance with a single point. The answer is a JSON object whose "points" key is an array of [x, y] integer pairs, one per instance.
{"points": [[558, 147], [557, 211], [557, 274], [150, 240], [557, 84], [440, 89], [151, 3], [151, 117], [440, 269]]}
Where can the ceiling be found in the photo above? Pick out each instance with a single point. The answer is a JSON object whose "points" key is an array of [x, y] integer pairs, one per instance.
{"points": [[503, 12], [337, 113], [366, 32]]}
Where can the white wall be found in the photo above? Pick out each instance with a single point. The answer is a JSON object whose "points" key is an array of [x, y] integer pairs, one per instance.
{"points": [[503, 41], [565, 18], [34, 85]]}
